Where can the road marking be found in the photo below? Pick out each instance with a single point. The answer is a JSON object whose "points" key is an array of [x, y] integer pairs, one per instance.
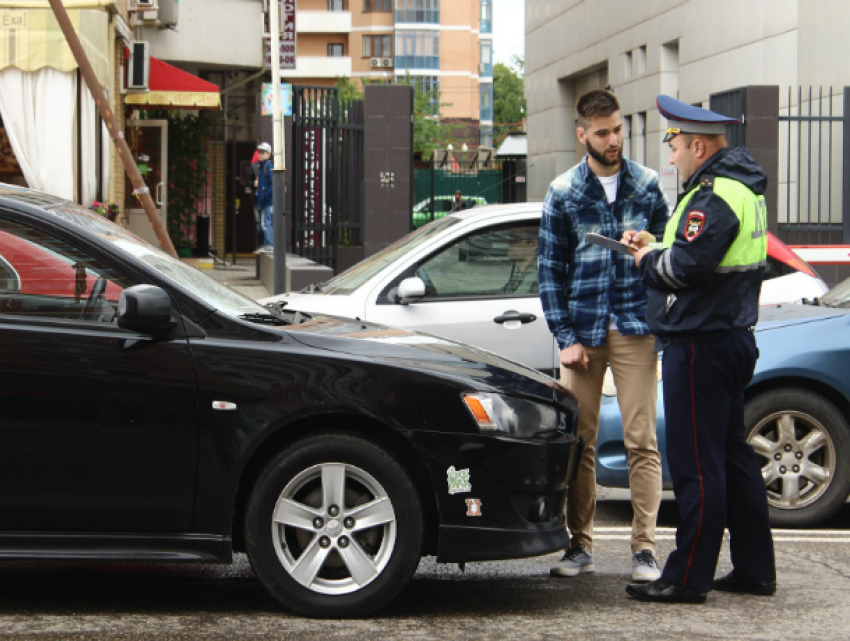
{"points": [[789, 536]]}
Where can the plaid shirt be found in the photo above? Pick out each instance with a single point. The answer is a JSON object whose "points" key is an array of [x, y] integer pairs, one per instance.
{"points": [[583, 286]]}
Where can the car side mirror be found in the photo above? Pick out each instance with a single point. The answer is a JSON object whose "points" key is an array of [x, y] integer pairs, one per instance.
{"points": [[145, 309], [410, 290]]}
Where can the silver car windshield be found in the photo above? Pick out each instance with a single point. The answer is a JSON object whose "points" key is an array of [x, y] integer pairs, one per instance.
{"points": [[188, 278], [354, 277]]}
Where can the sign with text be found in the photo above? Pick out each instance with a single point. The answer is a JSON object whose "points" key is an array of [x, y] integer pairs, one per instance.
{"points": [[287, 46]]}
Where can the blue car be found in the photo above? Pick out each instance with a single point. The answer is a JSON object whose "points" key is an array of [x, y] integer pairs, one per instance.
{"points": [[797, 412]]}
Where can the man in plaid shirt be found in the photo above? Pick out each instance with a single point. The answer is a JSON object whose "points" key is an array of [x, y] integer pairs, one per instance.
{"points": [[595, 304]]}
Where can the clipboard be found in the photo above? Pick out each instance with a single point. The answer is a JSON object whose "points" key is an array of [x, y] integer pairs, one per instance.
{"points": [[609, 243]]}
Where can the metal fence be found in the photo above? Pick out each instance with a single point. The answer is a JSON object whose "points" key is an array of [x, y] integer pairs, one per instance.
{"points": [[327, 177], [814, 143], [479, 181]]}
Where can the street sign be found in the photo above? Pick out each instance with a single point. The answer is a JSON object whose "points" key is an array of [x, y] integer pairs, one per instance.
{"points": [[287, 49]]}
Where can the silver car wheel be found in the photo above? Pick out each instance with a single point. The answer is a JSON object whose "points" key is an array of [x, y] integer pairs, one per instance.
{"points": [[334, 528], [798, 458]]}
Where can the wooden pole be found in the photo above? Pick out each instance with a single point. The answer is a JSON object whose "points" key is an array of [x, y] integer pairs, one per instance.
{"points": [[139, 186]]}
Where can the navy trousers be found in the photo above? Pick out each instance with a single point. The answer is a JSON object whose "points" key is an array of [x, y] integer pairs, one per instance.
{"points": [[716, 474]]}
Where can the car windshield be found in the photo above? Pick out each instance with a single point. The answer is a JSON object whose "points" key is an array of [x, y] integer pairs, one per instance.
{"points": [[349, 280], [838, 296], [185, 276]]}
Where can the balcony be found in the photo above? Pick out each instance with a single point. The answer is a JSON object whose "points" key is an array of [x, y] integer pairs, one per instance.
{"points": [[319, 67], [323, 21]]}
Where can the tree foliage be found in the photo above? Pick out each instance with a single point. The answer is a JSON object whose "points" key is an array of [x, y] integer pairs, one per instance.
{"points": [[508, 96]]}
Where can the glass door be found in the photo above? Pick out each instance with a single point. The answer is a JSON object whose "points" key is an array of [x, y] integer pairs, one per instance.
{"points": [[148, 142]]}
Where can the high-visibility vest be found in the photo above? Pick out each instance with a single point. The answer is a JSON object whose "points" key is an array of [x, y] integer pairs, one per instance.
{"points": [[749, 249]]}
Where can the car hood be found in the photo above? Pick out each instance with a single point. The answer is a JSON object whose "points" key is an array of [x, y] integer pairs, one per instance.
{"points": [[336, 305], [774, 317], [395, 346]]}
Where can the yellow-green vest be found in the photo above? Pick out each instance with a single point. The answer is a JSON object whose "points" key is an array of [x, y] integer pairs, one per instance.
{"points": [[749, 249]]}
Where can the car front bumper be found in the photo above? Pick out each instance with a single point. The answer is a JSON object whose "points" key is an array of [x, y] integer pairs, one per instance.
{"points": [[497, 497]]}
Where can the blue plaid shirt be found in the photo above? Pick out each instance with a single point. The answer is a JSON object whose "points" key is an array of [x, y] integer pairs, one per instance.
{"points": [[583, 286]]}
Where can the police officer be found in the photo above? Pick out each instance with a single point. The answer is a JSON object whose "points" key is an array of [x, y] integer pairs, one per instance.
{"points": [[704, 287]]}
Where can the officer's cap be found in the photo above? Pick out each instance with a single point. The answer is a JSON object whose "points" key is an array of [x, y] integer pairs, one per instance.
{"points": [[683, 118]]}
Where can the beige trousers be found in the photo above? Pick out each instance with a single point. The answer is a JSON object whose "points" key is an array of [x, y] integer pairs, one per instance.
{"points": [[633, 364]]}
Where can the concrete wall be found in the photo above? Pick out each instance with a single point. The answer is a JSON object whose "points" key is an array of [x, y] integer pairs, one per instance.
{"points": [[215, 33], [685, 48]]}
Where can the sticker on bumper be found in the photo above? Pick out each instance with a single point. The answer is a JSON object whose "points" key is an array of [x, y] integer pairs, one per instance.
{"points": [[473, 507], [459, 480]]}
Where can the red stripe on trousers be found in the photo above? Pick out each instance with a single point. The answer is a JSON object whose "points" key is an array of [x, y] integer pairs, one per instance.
{"points": [[699, 468]]}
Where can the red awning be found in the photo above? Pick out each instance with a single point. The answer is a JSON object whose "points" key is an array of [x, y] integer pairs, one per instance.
{"points": [[173, 88]]}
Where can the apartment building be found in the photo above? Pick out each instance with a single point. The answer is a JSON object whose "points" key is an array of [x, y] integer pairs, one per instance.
{"points": [[445, 46]]}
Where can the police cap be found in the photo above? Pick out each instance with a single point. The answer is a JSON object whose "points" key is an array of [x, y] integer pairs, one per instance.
{"points": [[683, 118]]}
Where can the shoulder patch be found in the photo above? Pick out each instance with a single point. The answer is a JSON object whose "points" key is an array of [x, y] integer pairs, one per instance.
{"points": [[694, 225]]}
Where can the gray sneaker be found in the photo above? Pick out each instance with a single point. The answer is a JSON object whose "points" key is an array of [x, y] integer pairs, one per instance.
{"points": [[575, 561], [645, 567]]}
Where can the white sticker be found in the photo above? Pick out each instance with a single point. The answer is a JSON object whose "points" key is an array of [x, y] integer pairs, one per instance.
{"points": [[459, 480]]}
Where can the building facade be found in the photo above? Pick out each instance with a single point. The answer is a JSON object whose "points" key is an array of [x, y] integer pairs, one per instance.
{"points": [[688, 49]]}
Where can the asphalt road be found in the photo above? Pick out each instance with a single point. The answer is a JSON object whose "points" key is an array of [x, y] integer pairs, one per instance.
{"points": [[506, 600]]}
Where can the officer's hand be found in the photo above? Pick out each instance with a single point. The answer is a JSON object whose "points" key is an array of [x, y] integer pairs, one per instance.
{"points": [[637, 240], [574, 357]]}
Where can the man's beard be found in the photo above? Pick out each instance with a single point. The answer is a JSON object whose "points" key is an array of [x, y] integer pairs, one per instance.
{"points": [[602, 159]]}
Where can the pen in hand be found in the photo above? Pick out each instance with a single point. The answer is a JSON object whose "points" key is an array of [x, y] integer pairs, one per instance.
{"points": [[640, 227]]}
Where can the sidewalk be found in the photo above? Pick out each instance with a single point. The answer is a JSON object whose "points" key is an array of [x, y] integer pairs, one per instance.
{"points": [[242, 276]]}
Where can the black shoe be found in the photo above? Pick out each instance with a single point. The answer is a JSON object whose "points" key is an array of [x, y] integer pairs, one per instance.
{"points": [[731, 583], [665, 592]]}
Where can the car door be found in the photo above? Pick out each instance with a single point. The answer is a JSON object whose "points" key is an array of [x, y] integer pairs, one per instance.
{"points": [[98, 425], [480, 289]]}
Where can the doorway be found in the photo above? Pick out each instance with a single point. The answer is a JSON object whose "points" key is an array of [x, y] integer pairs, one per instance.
{"points": [[241, 226], [148, 142]]}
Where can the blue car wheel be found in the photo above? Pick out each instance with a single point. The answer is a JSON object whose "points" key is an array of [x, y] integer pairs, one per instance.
{"points": [[803, 444]]}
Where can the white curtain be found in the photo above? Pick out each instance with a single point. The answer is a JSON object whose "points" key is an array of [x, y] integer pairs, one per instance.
{"points": [[38, 110], [90, 150]]}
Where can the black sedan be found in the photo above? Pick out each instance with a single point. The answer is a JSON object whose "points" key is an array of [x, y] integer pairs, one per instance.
{"points": [[150, 413]]}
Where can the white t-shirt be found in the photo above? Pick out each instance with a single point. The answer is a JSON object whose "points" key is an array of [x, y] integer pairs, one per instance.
{"points": [[610, 185]]}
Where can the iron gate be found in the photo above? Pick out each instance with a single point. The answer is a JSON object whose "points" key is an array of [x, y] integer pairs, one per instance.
{"points": [[327, 175], [814, 202]]}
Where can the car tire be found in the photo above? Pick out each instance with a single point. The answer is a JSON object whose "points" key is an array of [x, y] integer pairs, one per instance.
{"points": [[324, 562], [803, 444]]}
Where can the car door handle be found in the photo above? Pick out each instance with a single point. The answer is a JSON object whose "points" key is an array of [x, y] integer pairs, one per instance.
{"points": [[515, 316]]}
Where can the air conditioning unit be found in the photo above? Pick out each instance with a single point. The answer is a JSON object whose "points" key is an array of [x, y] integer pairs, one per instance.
{"points": [[167, 14], [374, 62], [142, 5], [386, 62], [377, 63], [139, 66]]}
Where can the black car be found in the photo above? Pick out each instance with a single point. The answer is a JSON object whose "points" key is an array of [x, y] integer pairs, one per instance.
{"points": [[149, 413]]}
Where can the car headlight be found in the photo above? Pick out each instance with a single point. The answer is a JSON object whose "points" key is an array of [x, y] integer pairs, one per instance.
{"points": [[506, 414], [610, 389]]}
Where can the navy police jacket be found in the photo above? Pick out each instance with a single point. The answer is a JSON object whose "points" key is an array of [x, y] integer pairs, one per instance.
{"points": [[708, 276]]}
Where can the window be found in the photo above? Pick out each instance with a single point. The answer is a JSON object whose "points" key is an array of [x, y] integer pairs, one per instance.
{"points": [[377, 5], [42, 276], [486, 16], [417, 11], [336, 5], [416, 49], [336, 50], [377, 46], [486, 59], [492, 262]]}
